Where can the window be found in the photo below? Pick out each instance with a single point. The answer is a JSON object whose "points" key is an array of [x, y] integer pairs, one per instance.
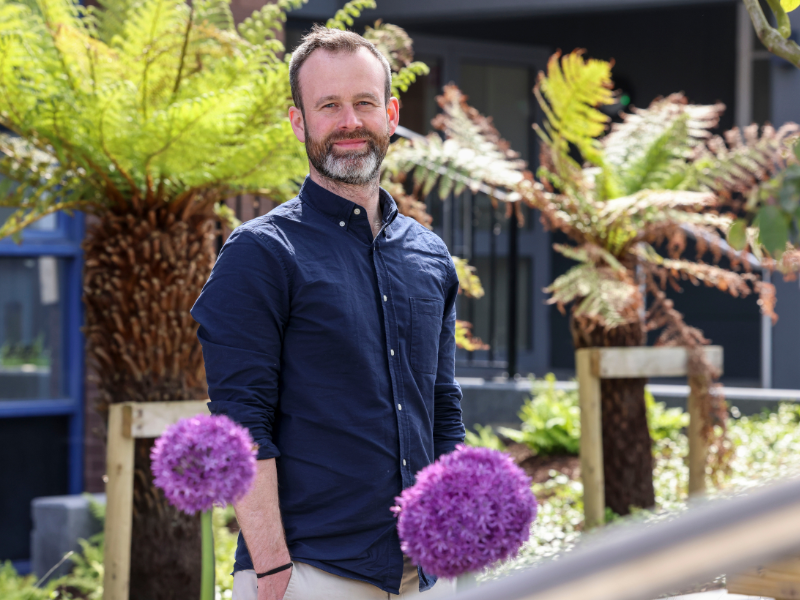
{"points": [[41, 371]]}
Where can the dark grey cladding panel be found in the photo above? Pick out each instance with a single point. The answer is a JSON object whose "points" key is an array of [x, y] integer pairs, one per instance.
{"points": [[421, 10], [321, 10]]}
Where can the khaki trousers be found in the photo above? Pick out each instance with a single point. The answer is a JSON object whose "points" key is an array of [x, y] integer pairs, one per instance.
{"points": [[310, 583]]}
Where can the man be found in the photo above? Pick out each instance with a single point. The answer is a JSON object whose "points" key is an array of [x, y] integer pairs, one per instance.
{"points": [[328, 330]]}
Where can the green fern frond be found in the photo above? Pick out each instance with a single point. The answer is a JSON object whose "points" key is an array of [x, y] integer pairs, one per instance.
{"points": [[214, 12], [591, 254], [652, 147], [569, 95], [345, 16], [262, 27], [403, 79], [468, 281]]}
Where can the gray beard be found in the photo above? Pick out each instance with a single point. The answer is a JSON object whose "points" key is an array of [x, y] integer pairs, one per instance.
{"points": [[352, 170]]}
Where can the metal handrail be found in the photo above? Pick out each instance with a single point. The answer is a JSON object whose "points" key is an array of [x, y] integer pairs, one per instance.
{"points": [[639, 562]]}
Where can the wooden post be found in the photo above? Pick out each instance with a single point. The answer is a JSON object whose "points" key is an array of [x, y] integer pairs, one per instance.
{"points": [[126, 422], [594, 495], [698, 449], [594, 364], [778, 580], [119, 503]]}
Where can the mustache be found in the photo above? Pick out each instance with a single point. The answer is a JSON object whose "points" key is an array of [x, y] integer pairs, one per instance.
{"points": [[351, 135]]}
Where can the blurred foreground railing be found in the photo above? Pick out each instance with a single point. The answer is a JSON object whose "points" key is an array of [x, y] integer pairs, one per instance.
{"points": [[640, 562]]}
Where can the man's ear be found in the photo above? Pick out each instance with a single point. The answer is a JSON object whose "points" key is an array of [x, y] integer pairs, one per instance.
{"points": [[298, 123], [393, 114]]}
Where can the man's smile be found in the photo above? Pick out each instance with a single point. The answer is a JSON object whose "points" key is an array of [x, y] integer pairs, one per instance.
{"points": [[350, 144]]}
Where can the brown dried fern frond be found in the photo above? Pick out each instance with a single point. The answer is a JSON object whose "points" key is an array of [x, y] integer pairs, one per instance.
{"points": [[603, 294], [407, 205], [741, 162], [458, 120], [473, 155], [393, 42], [702, 375], [650, 205]]}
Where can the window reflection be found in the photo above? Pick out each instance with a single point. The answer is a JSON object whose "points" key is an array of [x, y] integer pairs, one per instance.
{"points": [[30, 328], [47, 223]]}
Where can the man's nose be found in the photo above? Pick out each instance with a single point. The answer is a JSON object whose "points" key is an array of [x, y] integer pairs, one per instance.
{"points": [[349, 118]]}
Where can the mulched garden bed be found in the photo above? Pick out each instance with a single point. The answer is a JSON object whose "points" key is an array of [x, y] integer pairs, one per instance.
{"points": [[538, 467]]}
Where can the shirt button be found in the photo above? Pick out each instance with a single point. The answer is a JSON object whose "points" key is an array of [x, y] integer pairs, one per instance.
{"points": [[357, 211], [391, 352], [399, 407], [341, 223], [404, 462], [385, 298]]}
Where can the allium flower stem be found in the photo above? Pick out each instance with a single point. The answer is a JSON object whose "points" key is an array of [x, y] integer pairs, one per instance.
{"points": [[207, 578]]}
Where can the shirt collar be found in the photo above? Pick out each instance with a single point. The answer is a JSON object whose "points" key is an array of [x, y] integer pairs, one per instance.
{"points": [[340, 210]]}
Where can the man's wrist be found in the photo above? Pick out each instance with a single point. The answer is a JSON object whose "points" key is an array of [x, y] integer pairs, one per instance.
{"points": [[267, 563], [275, 571]]}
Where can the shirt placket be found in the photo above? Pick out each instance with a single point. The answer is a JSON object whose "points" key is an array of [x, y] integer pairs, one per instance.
{"points": [[393, 349]]}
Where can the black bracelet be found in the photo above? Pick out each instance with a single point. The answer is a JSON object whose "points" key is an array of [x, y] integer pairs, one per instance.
{"points": [[275, 570]]}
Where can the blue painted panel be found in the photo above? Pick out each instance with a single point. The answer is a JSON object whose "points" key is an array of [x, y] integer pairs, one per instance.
{"points": [[58, 248], [23, 567], [39, 408]]}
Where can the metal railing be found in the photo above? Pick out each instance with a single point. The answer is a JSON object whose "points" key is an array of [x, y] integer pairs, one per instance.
{"points": [[640, 562]]}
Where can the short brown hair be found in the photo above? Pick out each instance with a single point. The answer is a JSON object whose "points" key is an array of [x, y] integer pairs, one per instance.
{"points": [[334, 41]]}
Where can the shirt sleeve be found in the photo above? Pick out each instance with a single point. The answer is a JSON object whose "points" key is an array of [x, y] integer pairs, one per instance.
{"points": [[242, 311], [448, 428]]}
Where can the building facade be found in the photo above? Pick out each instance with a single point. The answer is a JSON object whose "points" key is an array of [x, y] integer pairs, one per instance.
{"points": [[493, 50]]}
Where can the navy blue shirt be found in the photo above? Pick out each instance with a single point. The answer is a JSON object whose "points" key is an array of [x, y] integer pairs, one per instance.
{"points": [[337, 352]]}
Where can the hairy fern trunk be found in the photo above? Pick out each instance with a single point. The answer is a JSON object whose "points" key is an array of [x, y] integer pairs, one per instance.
{"points": [[627, 445], [143, 271]]}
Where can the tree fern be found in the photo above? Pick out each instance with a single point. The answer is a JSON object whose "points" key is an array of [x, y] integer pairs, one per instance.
{"points": [[153, 101]]}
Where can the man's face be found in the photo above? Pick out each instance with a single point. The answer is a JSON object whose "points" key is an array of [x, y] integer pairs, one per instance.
{"points": [[345, 122]]}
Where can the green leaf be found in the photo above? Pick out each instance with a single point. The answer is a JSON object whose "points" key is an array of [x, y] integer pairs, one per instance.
{"points": [[773, 229], [789, 5], [787, 196], [737, 234]]}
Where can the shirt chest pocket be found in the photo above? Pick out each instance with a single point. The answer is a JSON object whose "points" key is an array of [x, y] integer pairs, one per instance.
{"points": [[426, 326]]}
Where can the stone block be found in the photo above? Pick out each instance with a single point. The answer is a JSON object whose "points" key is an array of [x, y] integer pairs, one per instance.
{"points": [[58, 523]]}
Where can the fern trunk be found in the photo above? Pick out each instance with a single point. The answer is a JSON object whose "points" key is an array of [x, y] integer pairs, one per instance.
{"points": [[627, 445], [143, 271]]}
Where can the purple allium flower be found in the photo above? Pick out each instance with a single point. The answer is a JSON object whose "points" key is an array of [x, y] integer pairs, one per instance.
{"points": [[203, 461], [467, 510]]}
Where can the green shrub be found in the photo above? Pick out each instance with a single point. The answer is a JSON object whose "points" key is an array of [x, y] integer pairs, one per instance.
{"points": [[20, 587], [86, 578], [664, 422], [551, 419], [484, 437]]}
